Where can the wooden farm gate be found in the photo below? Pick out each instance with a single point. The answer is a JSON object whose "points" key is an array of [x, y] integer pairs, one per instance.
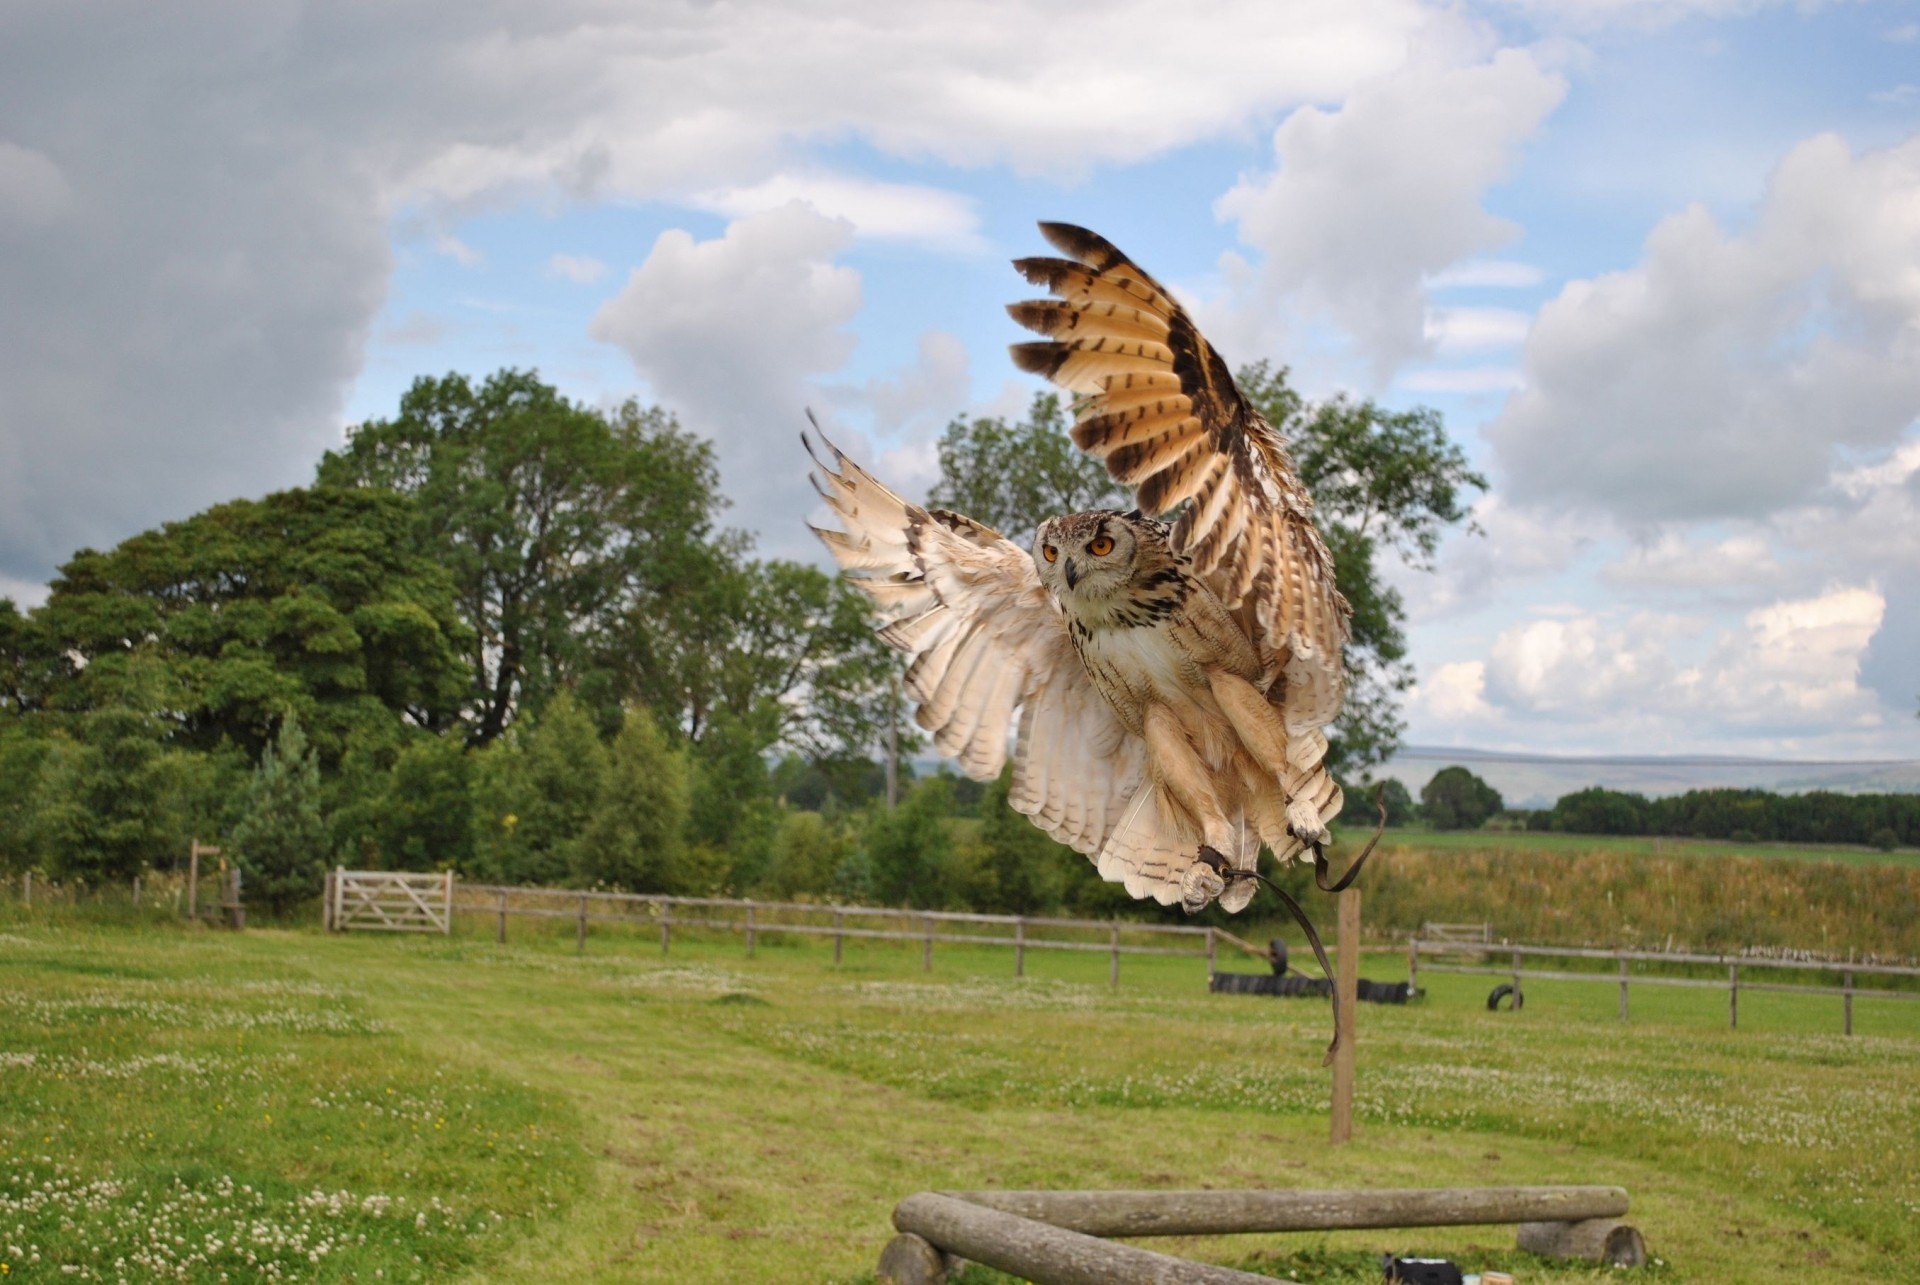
{"points": [[389, 900]]}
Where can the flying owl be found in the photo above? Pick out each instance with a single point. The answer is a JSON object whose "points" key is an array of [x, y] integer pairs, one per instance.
{"points": [[1171, 680]]}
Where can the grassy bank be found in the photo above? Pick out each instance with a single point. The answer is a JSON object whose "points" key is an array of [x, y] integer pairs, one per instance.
{"points": [[374, 1108]]}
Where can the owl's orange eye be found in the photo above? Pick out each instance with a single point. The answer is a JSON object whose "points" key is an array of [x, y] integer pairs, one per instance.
{"points": [[1101, 547], [1048, 552]]}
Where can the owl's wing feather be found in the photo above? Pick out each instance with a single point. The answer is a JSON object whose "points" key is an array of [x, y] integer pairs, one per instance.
{"points": [[1160, 407], [984, 639]]}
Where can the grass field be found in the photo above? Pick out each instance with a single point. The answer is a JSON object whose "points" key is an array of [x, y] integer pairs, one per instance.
{"points": [[279, 1104]]}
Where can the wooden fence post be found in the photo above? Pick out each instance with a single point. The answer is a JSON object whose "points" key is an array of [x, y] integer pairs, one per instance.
{"points": [[1623, 988], [1517, 1000], [666, 927], [1733, 997], [837, 918], [1413, 965], [136, 892], [500, 934], [326, 902], [1347, 983], [926, 949], [1113, 969], [193, 880], [1846, 981], [446, 907], [1212, 943], [749, 930], [1020, 947], [580, 939], [26, 889], [339, 898]]}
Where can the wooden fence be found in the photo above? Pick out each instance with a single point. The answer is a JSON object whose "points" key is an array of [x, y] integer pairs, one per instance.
{"points": [[756, 919], [1517, 970]]}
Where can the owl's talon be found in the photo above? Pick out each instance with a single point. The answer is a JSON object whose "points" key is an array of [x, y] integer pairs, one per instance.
{"points": [[1204, 880]]}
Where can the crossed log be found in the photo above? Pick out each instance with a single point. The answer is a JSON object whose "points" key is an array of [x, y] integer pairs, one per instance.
{"points": [[1057, 1237]]}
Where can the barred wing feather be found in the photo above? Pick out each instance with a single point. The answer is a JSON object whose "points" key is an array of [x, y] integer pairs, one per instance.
{"points": [[1160, 407]]}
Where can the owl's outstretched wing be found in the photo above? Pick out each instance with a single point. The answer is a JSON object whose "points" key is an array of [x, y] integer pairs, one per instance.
{"points": [[1160, 407], [984, 639]]}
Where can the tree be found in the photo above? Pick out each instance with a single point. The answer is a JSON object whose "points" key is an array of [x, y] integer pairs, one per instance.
{"points": [[1013, 477], [1600, 811], [909, 849], [426, 821], [281, 840], [1456, 799], [1016, 868], [808, 850], [535, 792], [305, 601], [552, 519], [636, 838]]}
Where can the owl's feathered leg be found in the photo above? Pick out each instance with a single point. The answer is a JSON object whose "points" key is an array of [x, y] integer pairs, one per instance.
{"points": [[1295, 763], [1178, 769]]}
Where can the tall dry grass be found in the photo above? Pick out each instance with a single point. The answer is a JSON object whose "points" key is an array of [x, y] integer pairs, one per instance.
{"points": [[1626, 899]]}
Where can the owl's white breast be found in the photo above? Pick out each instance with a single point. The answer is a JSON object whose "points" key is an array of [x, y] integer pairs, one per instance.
{"points": [[1136, 667]]}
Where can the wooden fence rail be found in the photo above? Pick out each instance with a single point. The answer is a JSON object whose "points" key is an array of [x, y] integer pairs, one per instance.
{"points": [[1517, 971], [755, 919]]}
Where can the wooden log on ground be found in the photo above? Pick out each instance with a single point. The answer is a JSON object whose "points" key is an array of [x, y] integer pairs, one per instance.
{"points": [[1215, 1213], [1047, 1255], [909, 1260], [1593, 1240]]}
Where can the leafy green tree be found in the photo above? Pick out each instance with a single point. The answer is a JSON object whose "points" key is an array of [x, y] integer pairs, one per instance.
{"points": [[426, 822], [1015, 476], [909, 848], [731, 817], [552, 519], [1600, 811], [535, 792], [636, 837], [1016, 869], [1456, 799], [808, 850], [309, 601], [1393, 794], [111, 799], [281, 840]]}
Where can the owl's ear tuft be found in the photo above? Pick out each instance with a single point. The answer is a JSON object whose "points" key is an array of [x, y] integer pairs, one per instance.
{"points": [[1133, 515]]}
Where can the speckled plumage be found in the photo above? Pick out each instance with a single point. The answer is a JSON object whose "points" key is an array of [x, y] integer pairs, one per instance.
{"points": [[1171, 681]]}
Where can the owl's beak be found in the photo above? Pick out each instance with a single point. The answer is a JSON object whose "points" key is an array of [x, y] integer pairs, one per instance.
{"points": [[1073, 575]]}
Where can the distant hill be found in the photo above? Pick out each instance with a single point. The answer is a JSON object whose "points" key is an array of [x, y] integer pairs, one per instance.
{"points": [[1536, 780]]}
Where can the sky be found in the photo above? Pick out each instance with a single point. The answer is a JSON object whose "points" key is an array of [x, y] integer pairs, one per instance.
{"points": [[1657, 262]]}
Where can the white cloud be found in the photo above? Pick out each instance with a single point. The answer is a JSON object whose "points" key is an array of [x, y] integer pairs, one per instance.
{"points": [[1642, 14], [1463, 379], [1368, 202], [929, 216], [731, 333], [415, 329], [1453, 693], [1477, 568], [1898, 96], [1739, 563], [1718, 377], [1498, 274], [1904, 34], [33, 191], [579, 268], [1466, 330], [459, 251], [1787, 671]]}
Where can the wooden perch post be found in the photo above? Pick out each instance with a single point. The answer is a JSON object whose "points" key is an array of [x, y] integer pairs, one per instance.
{"points": [[1347, 986]]}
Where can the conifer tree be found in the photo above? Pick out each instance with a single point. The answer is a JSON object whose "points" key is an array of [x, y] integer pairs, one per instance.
{"points": [[636, 838], [281, 840]]}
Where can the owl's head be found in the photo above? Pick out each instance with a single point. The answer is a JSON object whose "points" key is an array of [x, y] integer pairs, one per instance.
{"points": [[1086, 559]]}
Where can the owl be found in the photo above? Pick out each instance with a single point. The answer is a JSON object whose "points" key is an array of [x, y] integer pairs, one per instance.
{"points": [[1169, 681]]}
